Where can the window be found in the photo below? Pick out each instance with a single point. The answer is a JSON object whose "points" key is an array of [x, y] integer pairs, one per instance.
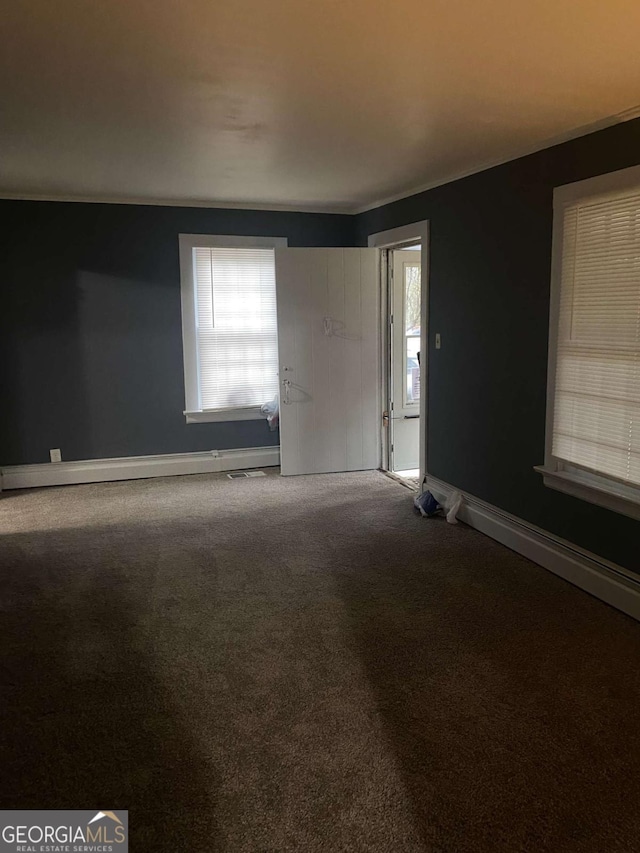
{"points": [[229, 325], [412, 298], [593, 417]]}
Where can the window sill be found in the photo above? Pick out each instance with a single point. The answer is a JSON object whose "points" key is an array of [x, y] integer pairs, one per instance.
{"points": [[609, 494], [250, 413]]}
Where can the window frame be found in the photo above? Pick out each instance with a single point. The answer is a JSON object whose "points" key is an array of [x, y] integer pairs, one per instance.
{"points": [[599, 489], [193, 412]]}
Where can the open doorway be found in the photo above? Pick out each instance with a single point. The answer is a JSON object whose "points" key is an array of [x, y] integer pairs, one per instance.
{"points": [[404, 311], [405, 315]]}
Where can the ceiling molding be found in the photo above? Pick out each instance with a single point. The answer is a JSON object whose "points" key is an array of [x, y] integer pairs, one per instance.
{"points": [[154, 202], [576, 133]]}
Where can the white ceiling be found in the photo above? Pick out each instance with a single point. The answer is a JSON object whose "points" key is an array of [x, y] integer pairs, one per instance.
{"points": [[332, 104]]}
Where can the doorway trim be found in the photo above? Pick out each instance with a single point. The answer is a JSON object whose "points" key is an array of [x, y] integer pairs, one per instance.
{"points": [[395, 238]]}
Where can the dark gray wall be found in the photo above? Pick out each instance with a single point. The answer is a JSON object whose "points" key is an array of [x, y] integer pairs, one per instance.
{"points": [[489, 278], [90, 326]]}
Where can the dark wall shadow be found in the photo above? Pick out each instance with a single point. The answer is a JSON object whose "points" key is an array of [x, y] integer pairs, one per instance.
{"points": [[91, 332], [41, 373]]}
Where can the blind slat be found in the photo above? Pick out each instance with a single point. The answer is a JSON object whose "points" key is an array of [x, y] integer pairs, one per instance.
{"points": [[597, 383], [236, 330]]}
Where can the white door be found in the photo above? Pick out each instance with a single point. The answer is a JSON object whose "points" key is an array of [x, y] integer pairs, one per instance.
{"points": [[405, 345], [328, 344]]}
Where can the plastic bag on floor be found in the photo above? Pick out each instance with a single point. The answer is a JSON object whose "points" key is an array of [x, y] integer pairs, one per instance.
{"points": [[454, 507], [271, 411], [427, 505]]}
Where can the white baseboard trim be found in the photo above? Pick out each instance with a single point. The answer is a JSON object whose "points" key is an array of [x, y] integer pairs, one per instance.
{"points": [[136, 467], [614, 584]]}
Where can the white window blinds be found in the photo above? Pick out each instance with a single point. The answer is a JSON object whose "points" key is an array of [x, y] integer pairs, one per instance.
{"points": [[596, 422], [236, 332]]}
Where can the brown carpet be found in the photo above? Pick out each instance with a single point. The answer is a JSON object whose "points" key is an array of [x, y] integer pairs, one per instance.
{"points": [[304, 665]]}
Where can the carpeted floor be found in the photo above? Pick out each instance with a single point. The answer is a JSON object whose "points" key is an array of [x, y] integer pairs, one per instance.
{"points": [[303, 665]]}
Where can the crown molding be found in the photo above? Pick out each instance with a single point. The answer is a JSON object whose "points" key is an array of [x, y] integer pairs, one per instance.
{"points": [[567, 136], [168, 202]]}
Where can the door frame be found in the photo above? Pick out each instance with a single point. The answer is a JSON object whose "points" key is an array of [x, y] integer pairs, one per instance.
{"points": [[396, 238]]}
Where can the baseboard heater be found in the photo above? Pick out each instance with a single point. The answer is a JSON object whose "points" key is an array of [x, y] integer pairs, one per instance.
{"points": [[137, 467]]}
